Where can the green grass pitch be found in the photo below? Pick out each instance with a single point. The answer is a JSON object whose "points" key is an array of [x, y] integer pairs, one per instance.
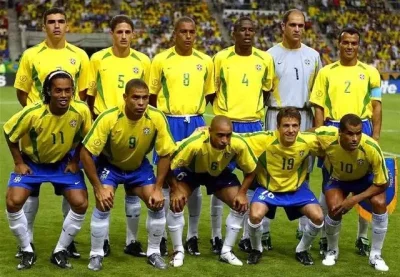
{"points": [[278, 262]]}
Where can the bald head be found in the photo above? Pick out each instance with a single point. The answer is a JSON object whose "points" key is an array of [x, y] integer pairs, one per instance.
{"points": [[220, 120], [220, 132]]}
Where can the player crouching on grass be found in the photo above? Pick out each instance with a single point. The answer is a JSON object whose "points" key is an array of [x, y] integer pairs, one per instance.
{"points": [[46, 132], [203, 159], [122, 137]]}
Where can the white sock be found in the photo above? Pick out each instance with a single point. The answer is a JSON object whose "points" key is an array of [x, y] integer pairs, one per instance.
{"points": [[30, 208], [176, 222], [155, 225], [132, 212], [216, 210], [99, 225], [379, 229], [266, 223], [332, 228], [324, 206], [362, 227], [309, 234], [19, 227], [194, 206], [255, 232], [65, 207], [245, 234], [303, 221], [166, 208], [71, 227], [234, 223]]}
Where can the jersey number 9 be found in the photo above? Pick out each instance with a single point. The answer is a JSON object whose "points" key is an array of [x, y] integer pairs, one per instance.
{"points": [[132, 142]]}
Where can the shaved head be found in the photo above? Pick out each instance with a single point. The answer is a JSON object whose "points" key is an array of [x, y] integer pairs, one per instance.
{"points": [[219, 121]]}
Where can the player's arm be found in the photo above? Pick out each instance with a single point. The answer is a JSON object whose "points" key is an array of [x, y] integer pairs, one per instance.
{"points": [[317, 98], [376, 119], [22, 97], [155, 80], [92, 84], [83, 80], [23, 80], [209, 83]]}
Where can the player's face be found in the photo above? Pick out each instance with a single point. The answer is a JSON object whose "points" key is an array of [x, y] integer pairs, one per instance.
{"points": [[288, 130], [185, 34], [350, 138], [122, 35], [55, 26], [349, 46], [244, 34], [220, 137], [136, 102], [61, 93], [294, 27]]}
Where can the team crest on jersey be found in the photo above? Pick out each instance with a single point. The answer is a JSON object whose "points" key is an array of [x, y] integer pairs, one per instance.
{"points": [[307, 61], [23, 78], [97, 142], [362, 76], [360, 161], [135, 70], [17, 179], [146, 130], [227, 155], [73, 123], [72, 61], [301, 153], [258, 67], [181, 162], [199, 67]]}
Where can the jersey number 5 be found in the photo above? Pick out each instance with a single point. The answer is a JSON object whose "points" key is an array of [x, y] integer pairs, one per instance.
{"points": [[121, 82]]}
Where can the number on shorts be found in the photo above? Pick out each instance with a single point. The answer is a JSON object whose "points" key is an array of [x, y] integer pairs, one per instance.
{"points": [[268, 194], [181, 175]]}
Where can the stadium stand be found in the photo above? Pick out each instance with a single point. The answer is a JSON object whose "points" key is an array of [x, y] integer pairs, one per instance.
{"points": [[380, 28], [4, 52], [154, 21]]}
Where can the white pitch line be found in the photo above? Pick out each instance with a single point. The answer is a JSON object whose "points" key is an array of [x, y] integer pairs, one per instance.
{"points": [[391, 131], [391, 154]]}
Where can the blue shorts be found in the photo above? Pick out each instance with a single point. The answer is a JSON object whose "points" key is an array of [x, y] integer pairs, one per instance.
{"points": [[181, 128], [290, 201], [52, 173], [366, 129], [355, 187], [212, 183], [111, 175]]}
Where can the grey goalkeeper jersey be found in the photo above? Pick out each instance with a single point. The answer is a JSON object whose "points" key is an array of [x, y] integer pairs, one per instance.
{"points": [[295, 73]]}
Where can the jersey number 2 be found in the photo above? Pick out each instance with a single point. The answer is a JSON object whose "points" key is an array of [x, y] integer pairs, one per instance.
{"points": [[347, 89]]}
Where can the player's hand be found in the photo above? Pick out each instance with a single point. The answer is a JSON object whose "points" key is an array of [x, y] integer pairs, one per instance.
{"points": [[240, 202], [156, 199], [22, 169], [202, 128], [105, 198], [177, 200], [376, 138], [346, 206], [72, 167]]}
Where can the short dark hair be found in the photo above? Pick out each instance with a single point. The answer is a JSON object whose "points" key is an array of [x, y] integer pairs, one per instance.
{"points": [[54, 10], [286, 15], [291, 112], [135, 83], [238, 23], [121, 18], [186, 19], [349, 119], [48, 82], [351, 31]]}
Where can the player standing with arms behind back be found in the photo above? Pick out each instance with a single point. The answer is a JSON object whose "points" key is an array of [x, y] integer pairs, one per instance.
{"points": [[181, 79], [36, 63], [296, 67], [242, 75], [349, 86], [110, 69]]}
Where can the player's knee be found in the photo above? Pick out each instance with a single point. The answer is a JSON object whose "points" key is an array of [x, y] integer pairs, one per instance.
{"points": [[79, 203], [14, 202], [255, 217], [378, 203], [317, 217]]}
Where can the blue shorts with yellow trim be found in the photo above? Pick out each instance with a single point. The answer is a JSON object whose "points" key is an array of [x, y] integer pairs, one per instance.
{"points": [[291, 201], [111, 175], [212, 183], [355, 186], [52, 173], [182, 127]]}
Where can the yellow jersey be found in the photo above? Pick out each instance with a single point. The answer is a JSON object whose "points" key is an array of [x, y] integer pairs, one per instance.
{"points": [[181, 82], [239, 83], [197, 154], [352, 165], [45, 137], [124, 142], [38, 61], [340, 90], [281, 168], [109, 74]]}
